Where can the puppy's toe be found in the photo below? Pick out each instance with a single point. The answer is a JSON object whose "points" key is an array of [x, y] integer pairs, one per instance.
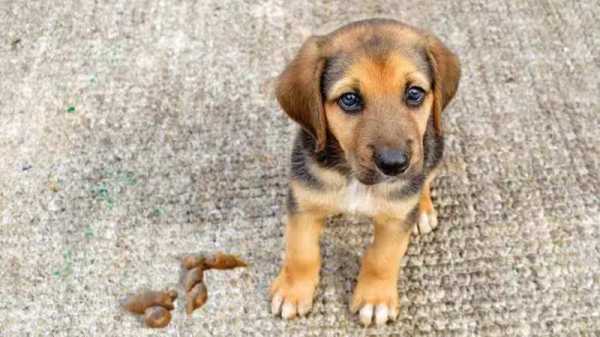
{"points": [[276, 303], [288, 310], [291, 297], [382, 314], [426, 223], [366, 314]]}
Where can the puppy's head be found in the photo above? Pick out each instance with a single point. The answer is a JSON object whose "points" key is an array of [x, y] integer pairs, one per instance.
{"points": [[376, 86]]}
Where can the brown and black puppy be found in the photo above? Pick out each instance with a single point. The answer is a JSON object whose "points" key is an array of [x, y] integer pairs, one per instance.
{"points": [[369, 98]]}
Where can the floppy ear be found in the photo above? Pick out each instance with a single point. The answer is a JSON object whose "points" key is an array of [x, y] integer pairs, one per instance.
{"points": [[299, 91], [446, 74]]}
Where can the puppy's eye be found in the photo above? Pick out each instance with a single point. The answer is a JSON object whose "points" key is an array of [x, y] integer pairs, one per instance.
{"points": [[414, 96], [350, 102]]}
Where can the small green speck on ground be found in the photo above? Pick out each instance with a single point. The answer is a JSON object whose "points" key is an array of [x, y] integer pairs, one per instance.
{"points": [[157, 212], [88, 232], [67, 268], [129, 178], [113, 183], [102, 193], [71, 109]]}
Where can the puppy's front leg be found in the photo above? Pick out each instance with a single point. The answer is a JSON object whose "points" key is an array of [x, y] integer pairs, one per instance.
{"points": [[376, 293], [293, 290]]}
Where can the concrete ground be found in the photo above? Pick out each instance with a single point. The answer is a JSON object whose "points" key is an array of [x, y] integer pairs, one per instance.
{"points": [[132, 132]]}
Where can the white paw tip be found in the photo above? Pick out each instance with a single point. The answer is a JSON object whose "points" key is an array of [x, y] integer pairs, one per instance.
{"points": [[276, 304], [433, 221], [366, 314], [424, 226], [381, 314], [288, 311]]}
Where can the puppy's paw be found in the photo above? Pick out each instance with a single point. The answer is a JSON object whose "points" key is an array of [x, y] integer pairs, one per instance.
{"points": [[426, 222], [292, 296], [375, 301]]}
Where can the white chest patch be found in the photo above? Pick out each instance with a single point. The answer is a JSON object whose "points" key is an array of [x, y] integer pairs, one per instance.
{"points": [[360, 199]]}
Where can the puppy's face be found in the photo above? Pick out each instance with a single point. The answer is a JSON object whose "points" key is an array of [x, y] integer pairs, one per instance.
{"points": [[377, 104], [376, 86]]}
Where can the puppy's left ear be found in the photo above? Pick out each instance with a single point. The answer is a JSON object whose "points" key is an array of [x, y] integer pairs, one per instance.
{"points": [[299, 90], [446, 75]]}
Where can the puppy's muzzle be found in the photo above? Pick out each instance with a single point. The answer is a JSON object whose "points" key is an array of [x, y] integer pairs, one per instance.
{"points": [[391, 162]]}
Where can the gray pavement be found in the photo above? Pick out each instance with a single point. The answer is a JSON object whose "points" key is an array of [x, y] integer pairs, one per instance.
{"points": [[132, 132]]}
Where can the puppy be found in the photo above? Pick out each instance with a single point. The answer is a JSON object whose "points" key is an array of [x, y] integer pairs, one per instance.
{"points": [[369, 98]]}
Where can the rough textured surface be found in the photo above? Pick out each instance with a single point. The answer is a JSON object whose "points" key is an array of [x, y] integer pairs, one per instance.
{"points": [[137, 131]]}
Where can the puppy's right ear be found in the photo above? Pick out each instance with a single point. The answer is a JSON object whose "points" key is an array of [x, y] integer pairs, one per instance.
{"points": [[299, 90]]}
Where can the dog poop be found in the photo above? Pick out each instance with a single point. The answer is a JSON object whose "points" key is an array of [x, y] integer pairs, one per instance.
{"points": [[193, 281], [196, 297], [154, 305], [157, 317], [192, 277], [193, 261], [218, 260], [223, 261]]}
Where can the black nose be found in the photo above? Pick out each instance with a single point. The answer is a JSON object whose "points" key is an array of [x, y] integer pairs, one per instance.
{"points": [[391, 162]]}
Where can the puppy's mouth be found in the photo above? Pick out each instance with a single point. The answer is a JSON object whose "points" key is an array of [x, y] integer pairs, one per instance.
{"points": [[372, 176], [363, 173], [369, 178]]}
